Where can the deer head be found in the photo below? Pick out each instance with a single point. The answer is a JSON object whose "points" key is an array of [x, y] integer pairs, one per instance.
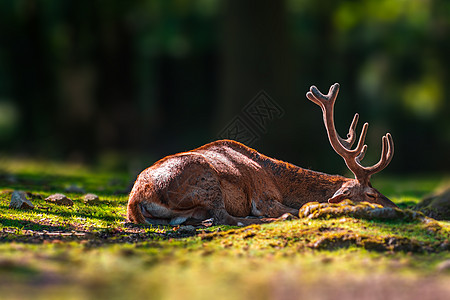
{"points": [[360, 188]]}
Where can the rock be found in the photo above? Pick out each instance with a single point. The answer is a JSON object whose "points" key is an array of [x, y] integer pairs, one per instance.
{"points": [[385, 213], [91, 199], [208, 222], [19, 200], [188, 229], [59, 199], [436, 206], [75, 189]]}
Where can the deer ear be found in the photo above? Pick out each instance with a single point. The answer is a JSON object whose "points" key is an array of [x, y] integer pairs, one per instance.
{"points": [[339, 196]]}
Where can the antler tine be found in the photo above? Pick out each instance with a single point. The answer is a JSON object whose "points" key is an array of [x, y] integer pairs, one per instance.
{"points": [[333, 92], [311, 97], [323, 100], [387, 152], [362, 138], [361, 155], [390, 153], [351, 135]]}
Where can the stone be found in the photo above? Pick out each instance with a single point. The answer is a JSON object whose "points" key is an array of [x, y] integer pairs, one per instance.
{"points": [[59, 199], [91, 199], [208, 222], [188, 229], [19, 200], [436, 206]]}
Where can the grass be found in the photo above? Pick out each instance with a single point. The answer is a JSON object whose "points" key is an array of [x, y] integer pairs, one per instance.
{"points": [[90, 251]]}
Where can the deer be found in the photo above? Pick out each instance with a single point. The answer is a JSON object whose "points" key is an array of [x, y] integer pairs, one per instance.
{"points": [[233, 184]]}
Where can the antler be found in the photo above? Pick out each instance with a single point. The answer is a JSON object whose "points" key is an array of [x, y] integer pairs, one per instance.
{"points": [[342, 147]]}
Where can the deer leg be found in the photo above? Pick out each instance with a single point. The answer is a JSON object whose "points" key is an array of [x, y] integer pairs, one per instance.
{"points": [[271, 208], [222, 217]]}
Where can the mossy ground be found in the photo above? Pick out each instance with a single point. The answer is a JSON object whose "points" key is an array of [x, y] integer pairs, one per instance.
{"points": [[89, 251]]}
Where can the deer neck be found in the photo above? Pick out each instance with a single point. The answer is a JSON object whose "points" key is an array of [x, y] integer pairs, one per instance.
{"points": [[299, 186]]}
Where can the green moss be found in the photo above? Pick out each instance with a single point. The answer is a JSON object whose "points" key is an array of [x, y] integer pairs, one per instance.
{"points": [[363, 210], [90, 251]]}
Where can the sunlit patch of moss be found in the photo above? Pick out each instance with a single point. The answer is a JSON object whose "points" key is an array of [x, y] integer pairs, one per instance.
{"points": [[301, 235], [90, 251], [362, 210]]}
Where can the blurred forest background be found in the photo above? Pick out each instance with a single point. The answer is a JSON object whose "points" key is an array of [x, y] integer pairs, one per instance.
{"points": [[121, 84]]}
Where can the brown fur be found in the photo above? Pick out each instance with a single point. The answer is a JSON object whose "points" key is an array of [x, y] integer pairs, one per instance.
{"points": [[223, 180]]}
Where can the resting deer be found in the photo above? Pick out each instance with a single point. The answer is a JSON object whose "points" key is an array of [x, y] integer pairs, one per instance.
{"points": [[234, 184]]}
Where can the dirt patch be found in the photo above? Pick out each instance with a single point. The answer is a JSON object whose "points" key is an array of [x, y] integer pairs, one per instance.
{"points": [[131, 233]]}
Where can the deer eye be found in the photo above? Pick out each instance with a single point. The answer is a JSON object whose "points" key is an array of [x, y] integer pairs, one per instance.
{"points": [[371, 195]]}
